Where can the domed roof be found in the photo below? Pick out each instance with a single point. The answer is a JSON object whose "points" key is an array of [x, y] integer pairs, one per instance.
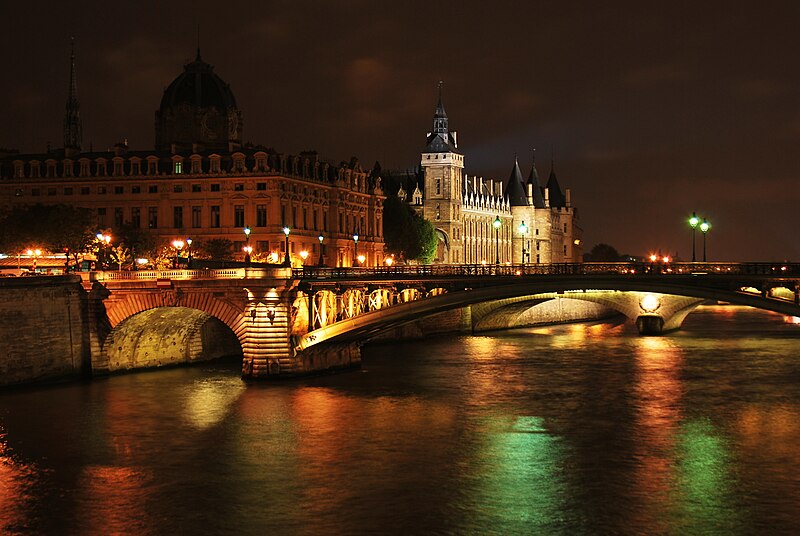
{"points": [[199, 86]]}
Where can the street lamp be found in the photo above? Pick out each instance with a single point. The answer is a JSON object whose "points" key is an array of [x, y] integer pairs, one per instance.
{"points": [[178, 245], [704, 227], [321, 239], [693, 221], [497, 223], [34, 253], [247, 245], [355, 241], [105, 240], [286, 260], [304, 256], [523, 230], [189, 252]]}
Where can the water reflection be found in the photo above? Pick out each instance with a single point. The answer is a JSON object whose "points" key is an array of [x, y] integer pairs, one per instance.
{"points": [[581, 429]]}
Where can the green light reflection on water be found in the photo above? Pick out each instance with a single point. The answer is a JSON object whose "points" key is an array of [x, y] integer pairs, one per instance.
{"points": [[521, 487], [703, 480]]}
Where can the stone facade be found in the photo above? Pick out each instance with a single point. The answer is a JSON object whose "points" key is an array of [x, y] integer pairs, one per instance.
{"points": [[201, 182]]}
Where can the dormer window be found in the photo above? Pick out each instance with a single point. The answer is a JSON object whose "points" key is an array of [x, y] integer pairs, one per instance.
{"points": [[215, 163], [34, 164], [196, 163], [85, 163], [238, 163], [152, 165], [118, 162], [136, 166], [178, 168], [101, 167], [50, 168], [19, 169]]}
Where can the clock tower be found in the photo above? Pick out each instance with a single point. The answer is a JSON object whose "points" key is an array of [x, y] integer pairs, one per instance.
{"points": [[443, 168]]}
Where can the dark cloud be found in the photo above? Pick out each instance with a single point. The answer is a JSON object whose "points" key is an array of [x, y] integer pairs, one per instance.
{"points": [[652, 110]]}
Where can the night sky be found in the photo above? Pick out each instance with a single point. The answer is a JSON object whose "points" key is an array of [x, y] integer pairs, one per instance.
{"points": [[651, 109]]}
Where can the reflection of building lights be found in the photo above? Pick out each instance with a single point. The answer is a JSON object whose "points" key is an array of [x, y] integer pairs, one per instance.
{"points": [[649, 303]]}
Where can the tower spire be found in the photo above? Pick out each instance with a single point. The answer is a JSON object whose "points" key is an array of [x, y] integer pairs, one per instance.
{"points": [[198, 43], [440, 125], [72, 118]]}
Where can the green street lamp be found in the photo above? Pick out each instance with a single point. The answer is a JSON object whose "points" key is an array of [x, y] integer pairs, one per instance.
{"points": [[704, 227], [247, 246], [355, 242], [693, 221], [497, 223], [286, 260], [321, 239], [523, 230]]}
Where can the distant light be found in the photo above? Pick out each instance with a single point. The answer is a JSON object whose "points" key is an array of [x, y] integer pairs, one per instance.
{"points": [[653, 257], [142, 262], [286, 231], [666, 258], [389, 261], [304, 254], [577, 241]]}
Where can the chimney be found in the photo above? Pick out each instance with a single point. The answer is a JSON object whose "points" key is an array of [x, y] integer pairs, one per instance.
{"points": [[569, 201], [530, 194], [547, 197]]}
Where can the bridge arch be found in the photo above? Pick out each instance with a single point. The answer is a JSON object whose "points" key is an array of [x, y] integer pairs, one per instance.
{"points": [[168, 336], [688, 297]]}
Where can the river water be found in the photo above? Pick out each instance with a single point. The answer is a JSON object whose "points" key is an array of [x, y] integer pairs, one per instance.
{"points": [[581, 429]]}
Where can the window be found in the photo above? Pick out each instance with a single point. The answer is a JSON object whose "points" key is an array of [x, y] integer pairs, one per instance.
{"points": [[136, 217], [136, 189], [178, 188], [197, 214], [119, 219], [238, 187], [438, 186], [84, 190], [238, 216], [305, 218], [214, 222], [262, 245], [101, 190], [283, 214], [178, 168], [294, 216], [152, 217], [565, 249], [261, 186], [36, 191], [261, 215], [119, 190], [177, 217], [196, 188], [101, 216], [67, 191], [51, 191], [215, 187], [537, 232], [152, 189]]}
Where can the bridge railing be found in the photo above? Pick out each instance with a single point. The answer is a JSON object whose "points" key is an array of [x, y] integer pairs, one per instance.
{"points": [[586, 268], [151, 275]]}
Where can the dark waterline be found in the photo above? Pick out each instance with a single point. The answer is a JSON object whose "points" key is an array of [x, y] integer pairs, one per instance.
{"points": [[583, 429]]}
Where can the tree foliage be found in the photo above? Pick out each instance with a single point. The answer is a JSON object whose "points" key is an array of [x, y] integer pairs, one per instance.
{"points": [[55, 228], [406, 234], [603, 253], [215, 248]]}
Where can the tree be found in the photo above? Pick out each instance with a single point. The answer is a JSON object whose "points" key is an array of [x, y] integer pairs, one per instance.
{"points": [[216, 248], [406, 234], [603, 253], [55, 228]]}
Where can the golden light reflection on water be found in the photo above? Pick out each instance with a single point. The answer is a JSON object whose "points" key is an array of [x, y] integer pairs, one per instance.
{"points": [[209, 402], [113, 500], [16, 482], [658, 392]]}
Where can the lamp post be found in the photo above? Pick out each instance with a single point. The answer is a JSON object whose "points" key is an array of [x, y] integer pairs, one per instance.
{"points": [[178, 245], [105, 240], [693, 221], [523, 231], [286, 260], [497, 223], [247, 245], [704, 227], [355, 242], [34, 253], [321, 239], [188, 252]]}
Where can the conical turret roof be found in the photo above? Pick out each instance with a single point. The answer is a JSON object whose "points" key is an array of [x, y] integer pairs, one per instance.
{"points": [[533, 183], [557, 198], [515, 189]]}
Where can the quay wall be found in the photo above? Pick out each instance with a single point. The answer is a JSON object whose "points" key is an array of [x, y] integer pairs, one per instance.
{"points": [[43, 330]]}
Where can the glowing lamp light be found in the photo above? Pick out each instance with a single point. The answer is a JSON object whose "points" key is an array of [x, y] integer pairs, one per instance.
{"points": [[705, 226], [361, 259], [649, 303], [142, 262], [304, 254], [248, 249], [389, 261], [693, 221], [653, 257], [666, 258], [177, 244]]}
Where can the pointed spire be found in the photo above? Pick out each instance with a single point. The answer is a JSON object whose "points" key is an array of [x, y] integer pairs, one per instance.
{"points": [[198, 58], [533, 184], [440, 125], [515, 189], [72, 118], [557, 198]]}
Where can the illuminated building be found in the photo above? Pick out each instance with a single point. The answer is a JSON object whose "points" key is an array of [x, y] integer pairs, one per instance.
{"points": [[201, 181]]}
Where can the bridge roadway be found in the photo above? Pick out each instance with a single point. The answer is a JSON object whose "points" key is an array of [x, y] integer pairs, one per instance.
{"points": [[296, 321]]}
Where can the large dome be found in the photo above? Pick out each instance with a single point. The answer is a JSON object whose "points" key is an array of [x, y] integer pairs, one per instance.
{"points": [[198, 112], [199, 86]]}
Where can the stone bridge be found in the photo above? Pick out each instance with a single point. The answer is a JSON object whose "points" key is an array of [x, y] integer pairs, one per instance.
{"points": [[295, 321]]}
